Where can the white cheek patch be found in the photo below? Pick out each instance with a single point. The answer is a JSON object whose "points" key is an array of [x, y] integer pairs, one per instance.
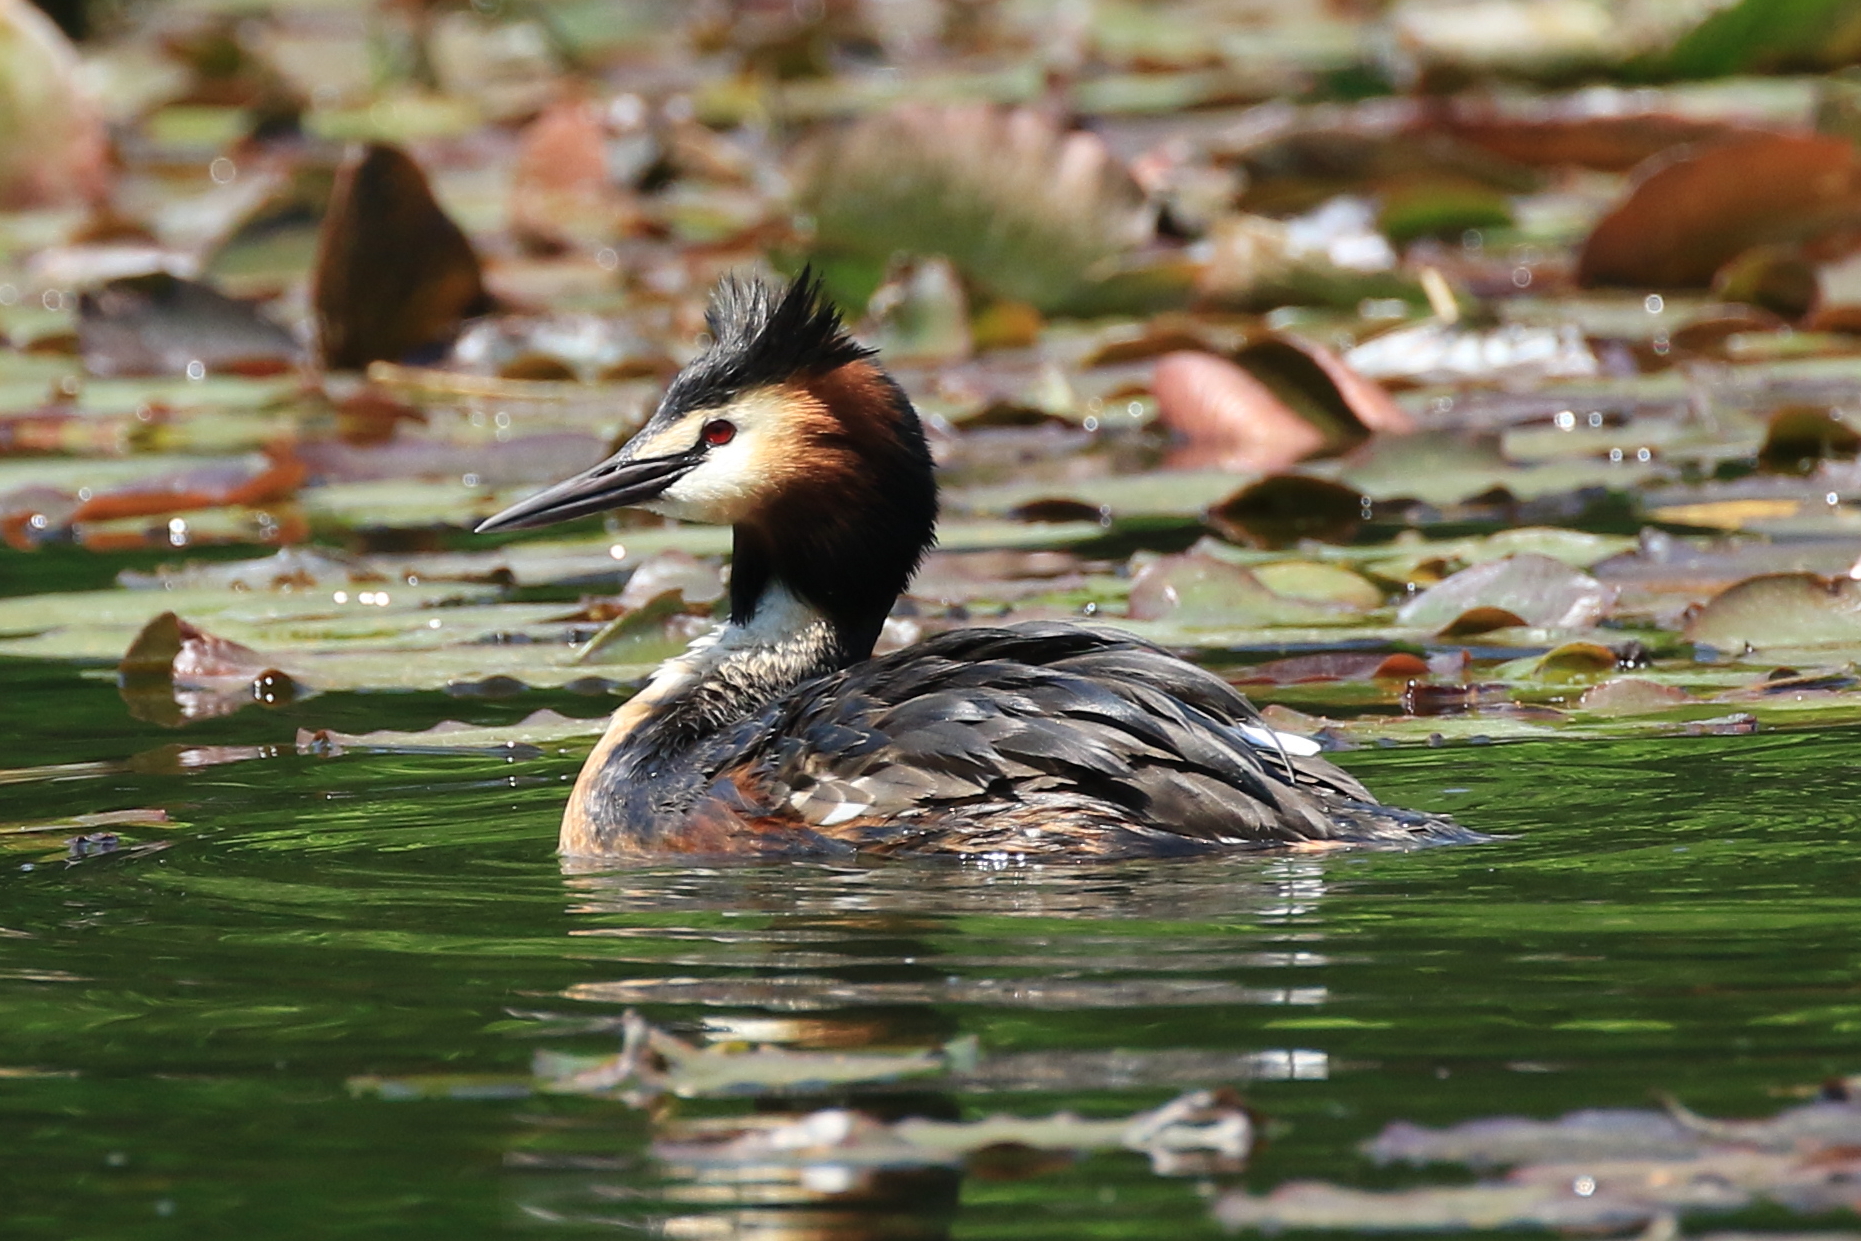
{"points": [[732, 479], [721, 489]]}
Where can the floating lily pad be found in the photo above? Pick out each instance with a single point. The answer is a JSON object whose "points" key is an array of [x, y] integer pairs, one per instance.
{"points": [[1781, 610], [1536, 589], [1196, 590]]}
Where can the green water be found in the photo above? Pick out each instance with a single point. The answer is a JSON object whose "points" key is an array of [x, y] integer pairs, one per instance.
{"points": [[179, 1028]]}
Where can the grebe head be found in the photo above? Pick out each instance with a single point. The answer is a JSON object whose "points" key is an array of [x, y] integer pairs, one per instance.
{"points": [[788, 431]]}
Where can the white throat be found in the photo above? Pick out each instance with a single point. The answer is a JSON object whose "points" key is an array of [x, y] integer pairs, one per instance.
{"points": [[784, 643]]}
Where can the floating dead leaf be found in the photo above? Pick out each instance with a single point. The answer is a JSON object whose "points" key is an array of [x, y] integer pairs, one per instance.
{"points": [[1605, 142], [159, 324], [1537, 589], [1281, 509], [1797, 437], [1781, 610], [1692, 214], [1229, 418], [1197, 590], [174, 672], [394, 275]]}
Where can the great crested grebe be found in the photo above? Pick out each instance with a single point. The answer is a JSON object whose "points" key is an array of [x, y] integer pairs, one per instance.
{"points": [[781, 733]]}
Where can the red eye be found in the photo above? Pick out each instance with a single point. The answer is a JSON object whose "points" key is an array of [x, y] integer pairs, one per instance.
{"points": [[718, 432]]}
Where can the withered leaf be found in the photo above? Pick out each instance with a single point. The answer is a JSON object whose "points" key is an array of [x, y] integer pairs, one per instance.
{"points": [[395, 277], [1698, 208]]}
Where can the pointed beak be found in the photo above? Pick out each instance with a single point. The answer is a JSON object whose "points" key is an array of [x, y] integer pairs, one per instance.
{"points": [[612, 484]]}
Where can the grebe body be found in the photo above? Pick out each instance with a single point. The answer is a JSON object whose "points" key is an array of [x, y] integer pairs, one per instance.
{"points": [[780, 733]]}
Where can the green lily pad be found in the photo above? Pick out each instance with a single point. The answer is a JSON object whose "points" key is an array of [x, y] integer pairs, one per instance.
{"points": [[1781, 610]]}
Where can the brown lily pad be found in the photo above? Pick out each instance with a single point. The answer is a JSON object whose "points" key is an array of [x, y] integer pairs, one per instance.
{"points": [[175, 672], [1700, 208], [395, 277], [160, 324]]}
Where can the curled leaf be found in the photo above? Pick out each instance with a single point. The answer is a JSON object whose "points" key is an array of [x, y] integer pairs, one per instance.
{"points": [[394, 275], [1229, 418], [1690, 215], [174, 672]]}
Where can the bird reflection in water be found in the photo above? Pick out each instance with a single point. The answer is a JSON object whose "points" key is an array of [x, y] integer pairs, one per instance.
{"points": [[828, 974]]}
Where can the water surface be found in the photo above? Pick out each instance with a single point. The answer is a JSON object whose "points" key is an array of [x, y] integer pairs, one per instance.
{"points": [[181, 1029]]}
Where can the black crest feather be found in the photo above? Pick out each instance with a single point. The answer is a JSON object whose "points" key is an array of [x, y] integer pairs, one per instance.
{"points": [[760, 336]]}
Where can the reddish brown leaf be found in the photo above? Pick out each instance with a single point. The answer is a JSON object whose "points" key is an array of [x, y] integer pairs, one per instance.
{"points": [[1695, 210], [174, 672], [196, 489], [1229, 418]]}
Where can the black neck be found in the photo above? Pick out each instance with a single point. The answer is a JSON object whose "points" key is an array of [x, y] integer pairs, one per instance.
{"points": [[848, 551]]}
